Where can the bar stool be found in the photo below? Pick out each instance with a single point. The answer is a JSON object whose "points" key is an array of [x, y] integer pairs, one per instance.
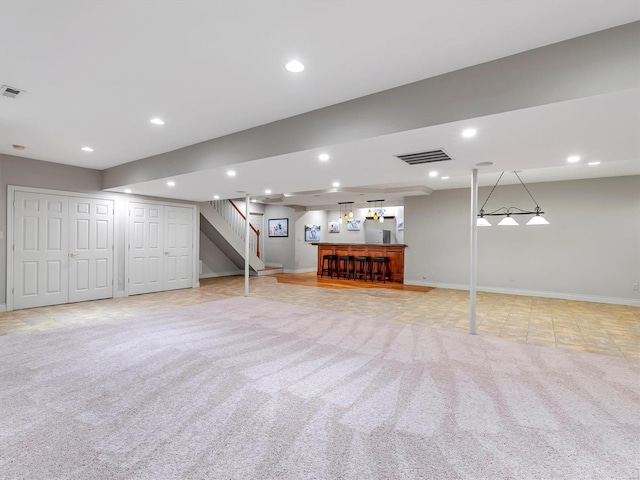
{"points": [[329, 264], [380, 269], [362, 268], [345, 266]]}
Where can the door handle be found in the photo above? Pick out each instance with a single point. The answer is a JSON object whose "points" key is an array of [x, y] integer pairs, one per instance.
{"points": [[166, 253], [72, 255]]}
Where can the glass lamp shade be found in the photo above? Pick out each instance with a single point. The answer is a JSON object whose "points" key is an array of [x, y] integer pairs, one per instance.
{"points": [[340, 219], [508, 221], [483, 222], [369, 213], [375, 216], [538, 220], [346, 217], [381, 219], [351, 214]]}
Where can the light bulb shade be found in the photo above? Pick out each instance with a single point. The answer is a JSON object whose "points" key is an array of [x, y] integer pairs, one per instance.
{"points": [[375, 216], [508, 221], [483, 222], [369, 213], [381, 220], [350, 214], [346, 217], [340, 219], [538, 220]]}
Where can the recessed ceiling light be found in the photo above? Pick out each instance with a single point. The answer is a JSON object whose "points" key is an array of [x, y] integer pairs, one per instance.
{"points": [[267, 191], [294, 66], [171, 183], [231, 173], [444, 178], [323, 156], [127, 190], [469, 132], [216, 197], [484, 164], [573, 159], [18, 147], [433, 174], [253, 200], [157, 121], [593, 163], [336, 184], [87, 149]]}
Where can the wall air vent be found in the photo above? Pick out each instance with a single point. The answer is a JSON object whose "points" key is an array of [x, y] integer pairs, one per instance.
{"points": [[419, 158], [11, 92]]}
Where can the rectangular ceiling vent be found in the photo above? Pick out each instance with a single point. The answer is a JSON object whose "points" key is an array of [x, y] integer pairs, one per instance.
{"points": [[419, 158], [10, 92]]}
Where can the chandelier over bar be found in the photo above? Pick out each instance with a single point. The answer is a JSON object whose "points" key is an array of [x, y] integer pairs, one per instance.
{"points": [[507, 212], [348, 210]]}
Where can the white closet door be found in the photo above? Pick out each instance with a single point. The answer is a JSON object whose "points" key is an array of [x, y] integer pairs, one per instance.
{"points": [[146, 256], [178, 247], [90, 249], [40, 261]]}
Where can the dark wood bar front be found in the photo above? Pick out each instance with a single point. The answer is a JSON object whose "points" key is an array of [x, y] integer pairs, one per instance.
{"points": [[394, 252]]}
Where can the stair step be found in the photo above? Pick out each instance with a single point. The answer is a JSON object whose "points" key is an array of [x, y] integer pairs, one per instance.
{"points": [[270, 271]]}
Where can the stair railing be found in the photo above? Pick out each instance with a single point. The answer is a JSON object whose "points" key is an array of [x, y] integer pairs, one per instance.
{"points": [[234, 217]]}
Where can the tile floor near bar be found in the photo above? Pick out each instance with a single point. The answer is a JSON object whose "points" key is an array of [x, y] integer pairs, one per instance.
{"points": [[593, 327]]}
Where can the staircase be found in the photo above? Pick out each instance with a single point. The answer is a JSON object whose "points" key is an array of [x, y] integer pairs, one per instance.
{"points": [[225, 225]]}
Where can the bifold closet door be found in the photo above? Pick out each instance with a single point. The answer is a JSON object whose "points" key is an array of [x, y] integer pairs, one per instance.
{"points": [[40, 250], [63, 249], [160, 248], [90, 249], [178, 247], [146, 263]]}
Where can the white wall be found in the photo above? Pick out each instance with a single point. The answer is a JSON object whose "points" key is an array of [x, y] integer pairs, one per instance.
{"points": [[590, 251], [214, 263], [306, 255], [280, 251]]}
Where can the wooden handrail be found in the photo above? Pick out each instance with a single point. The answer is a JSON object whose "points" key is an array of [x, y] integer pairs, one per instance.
{"points": [[256, 231]]}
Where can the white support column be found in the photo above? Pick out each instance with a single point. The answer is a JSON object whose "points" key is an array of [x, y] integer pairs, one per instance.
{"points": [[474, 252], [246, 247]]}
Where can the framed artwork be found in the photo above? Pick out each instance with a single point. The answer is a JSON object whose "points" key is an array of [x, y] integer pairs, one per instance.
{"points": [[400, 224], [312, 233], [354, 224], [278, 227], [334, 227]]}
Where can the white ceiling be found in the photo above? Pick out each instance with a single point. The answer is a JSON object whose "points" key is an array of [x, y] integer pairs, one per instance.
{"points": [[96, 72]]}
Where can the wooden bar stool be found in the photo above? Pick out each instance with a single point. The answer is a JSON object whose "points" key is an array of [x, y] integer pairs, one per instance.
{"points": [[329, 265], [345, 266], [362, 268], [380, 269]]}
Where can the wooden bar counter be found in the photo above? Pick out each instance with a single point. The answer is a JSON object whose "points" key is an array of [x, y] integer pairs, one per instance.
{"points": [[393, 251]]}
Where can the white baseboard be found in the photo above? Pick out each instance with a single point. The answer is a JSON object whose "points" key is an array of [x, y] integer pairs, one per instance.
{"points": [[221, 274], [3, 307], [119, 294], [300, 270], [532, 293], [273, 265]]}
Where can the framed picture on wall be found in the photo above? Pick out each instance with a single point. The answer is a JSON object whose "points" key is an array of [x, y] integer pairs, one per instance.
{"points": [[354, 224], [334, 227], [312, 233], [278, 227], [400, 224]]}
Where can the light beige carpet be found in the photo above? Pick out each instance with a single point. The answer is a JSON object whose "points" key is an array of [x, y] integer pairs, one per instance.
{"points": [[249, 388]]}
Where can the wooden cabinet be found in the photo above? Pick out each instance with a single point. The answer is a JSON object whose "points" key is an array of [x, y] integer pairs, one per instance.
{"points": [[394, 252]]}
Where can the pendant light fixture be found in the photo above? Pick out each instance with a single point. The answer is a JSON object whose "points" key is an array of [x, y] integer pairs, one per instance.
{"points": [[507, 212], [347, 207]]}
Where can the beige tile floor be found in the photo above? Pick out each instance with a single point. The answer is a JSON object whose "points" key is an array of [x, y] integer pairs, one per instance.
{"points": [[593, 327]]}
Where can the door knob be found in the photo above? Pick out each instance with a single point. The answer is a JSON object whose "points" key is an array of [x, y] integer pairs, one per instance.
{"points": [[72, 255], [166, 253]]}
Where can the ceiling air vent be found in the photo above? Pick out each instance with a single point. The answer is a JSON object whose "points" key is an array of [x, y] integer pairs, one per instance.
{"points": [[10, 92], [419, 158]]}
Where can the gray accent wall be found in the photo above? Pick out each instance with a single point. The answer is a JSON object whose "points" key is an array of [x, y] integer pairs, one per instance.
{"points": [[590, 249]]}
